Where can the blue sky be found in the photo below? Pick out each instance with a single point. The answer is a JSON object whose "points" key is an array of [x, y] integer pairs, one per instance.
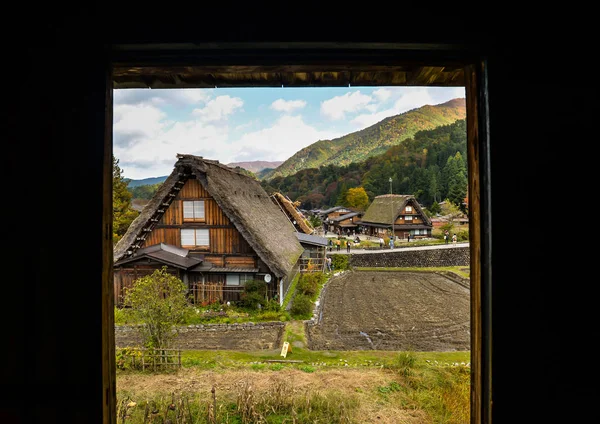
{"points": [[242, 124]]}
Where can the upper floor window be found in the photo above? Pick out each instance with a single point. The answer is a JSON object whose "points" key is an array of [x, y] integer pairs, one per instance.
{"points": [[409, 209], [195, 237], [408, 218], [193, 210]]}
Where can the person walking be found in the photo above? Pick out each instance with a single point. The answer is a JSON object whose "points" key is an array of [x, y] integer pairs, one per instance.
{"points": [[446, 236], [329, 263], [391, 242], [348, 243], [454, 239], [380, 243], [338, 245]]}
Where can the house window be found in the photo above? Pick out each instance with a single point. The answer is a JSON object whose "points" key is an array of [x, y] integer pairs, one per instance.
{"points": [[409, 209], [244, 278], [408, 218], [195, 237], [233, 279], [193, 210]]}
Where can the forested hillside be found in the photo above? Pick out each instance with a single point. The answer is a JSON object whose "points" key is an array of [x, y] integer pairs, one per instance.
{"points": [[371, 141], [432, 166]]}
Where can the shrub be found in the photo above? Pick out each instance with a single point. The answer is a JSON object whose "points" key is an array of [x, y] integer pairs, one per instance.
{"points": [[339, 262], [308, 283], [301, 306], [255, 293]]}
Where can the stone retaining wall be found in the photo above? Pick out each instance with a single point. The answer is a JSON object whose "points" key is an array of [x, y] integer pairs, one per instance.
{"points": [[243, 336], [457, 256]]}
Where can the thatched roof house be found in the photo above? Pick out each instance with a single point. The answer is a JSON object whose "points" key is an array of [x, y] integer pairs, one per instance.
{"points": [[295, 217], [403, 211], [238, 231]]}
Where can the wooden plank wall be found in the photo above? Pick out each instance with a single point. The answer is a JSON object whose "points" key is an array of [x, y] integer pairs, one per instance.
{"points": [[224, 237]]}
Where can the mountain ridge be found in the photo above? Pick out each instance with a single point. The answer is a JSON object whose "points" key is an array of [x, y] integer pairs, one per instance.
{"points": [[373, 140]]}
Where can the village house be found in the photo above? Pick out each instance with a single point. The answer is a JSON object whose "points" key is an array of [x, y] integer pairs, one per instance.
{"points": [[339, 219], [213, 227], [403, 211]]}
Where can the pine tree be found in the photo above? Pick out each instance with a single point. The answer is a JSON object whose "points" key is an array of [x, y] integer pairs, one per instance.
{"points": [[123, 215]]}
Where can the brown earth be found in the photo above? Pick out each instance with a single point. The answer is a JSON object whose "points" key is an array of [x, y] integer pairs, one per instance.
{"points": [[358, 385], [369, 310]]}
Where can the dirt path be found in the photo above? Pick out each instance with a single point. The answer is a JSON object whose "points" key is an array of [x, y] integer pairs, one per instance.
{"points": [[419, 311]]}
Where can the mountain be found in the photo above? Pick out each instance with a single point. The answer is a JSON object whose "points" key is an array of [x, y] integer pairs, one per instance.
{"points": [[373, 140], [255, 166], [431, 165], [145, 181]]}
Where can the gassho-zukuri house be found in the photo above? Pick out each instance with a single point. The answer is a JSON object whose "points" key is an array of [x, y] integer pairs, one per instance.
{"points": [[405, 213], [213, 227]]}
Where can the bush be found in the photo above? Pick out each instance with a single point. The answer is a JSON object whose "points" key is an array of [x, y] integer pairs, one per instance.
{"points": [[255, 293], [301, 306], [308, 283], [339, 262]]}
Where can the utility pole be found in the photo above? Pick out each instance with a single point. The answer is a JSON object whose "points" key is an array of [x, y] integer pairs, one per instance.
{"points": [[392, 203]]}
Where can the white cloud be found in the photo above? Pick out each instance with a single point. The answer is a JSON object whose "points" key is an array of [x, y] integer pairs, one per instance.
{"points": [[287, 105], [219, 108], [287, 135], [134, 123], [382, 94], [178, 98], [337, 107]]}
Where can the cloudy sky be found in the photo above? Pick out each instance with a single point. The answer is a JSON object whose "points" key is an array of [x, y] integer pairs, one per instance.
{"points": [[244, 124]]}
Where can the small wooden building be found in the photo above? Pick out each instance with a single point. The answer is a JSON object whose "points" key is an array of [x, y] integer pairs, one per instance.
{"points": [[346, 224], [213, 227], [403, 211], [315, 252]]}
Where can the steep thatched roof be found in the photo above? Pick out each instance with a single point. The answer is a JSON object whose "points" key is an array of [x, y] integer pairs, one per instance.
{"points": [[243, 201], [288, 208], [386, 208]]}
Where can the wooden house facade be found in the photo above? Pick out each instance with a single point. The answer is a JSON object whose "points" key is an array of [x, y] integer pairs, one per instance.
{"points": [[346, 224], [213, 227], [403, 211]]}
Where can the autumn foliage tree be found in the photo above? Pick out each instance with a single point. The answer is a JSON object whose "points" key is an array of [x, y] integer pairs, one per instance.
{"points": [[123, 215], [357, 198]]}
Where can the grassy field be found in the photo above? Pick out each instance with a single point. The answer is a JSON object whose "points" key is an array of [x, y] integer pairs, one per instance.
{"points": [[304, 387]]}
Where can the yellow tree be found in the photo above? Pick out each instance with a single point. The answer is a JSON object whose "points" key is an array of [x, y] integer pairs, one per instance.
{"points": [[357, 198]]}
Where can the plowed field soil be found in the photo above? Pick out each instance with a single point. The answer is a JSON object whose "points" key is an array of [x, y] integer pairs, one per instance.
{"points": [[392, 310]]}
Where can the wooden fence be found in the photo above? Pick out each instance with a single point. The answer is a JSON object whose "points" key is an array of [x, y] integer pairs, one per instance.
{"points": [[154, 359]]}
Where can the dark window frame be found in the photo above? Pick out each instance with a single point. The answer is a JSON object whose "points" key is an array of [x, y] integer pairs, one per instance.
{"points": [[478, 151]]}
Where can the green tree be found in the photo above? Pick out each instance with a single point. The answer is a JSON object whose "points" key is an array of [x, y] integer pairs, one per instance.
{"points": [[159, 302], [450, 210], [435, 208], [457, 181], [123, 215], [357, 198]]}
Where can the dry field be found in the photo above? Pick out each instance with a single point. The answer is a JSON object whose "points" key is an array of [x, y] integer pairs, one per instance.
{"points": [[418, 311]]}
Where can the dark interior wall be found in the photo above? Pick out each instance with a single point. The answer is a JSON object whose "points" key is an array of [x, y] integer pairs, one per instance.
{"points": [[55, 121], [53, 157]]}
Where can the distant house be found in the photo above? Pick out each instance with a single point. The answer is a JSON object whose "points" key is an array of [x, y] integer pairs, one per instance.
{"points": [[294, 215], [346, 223], [213, 227], [403, 211], [330, 217]]}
